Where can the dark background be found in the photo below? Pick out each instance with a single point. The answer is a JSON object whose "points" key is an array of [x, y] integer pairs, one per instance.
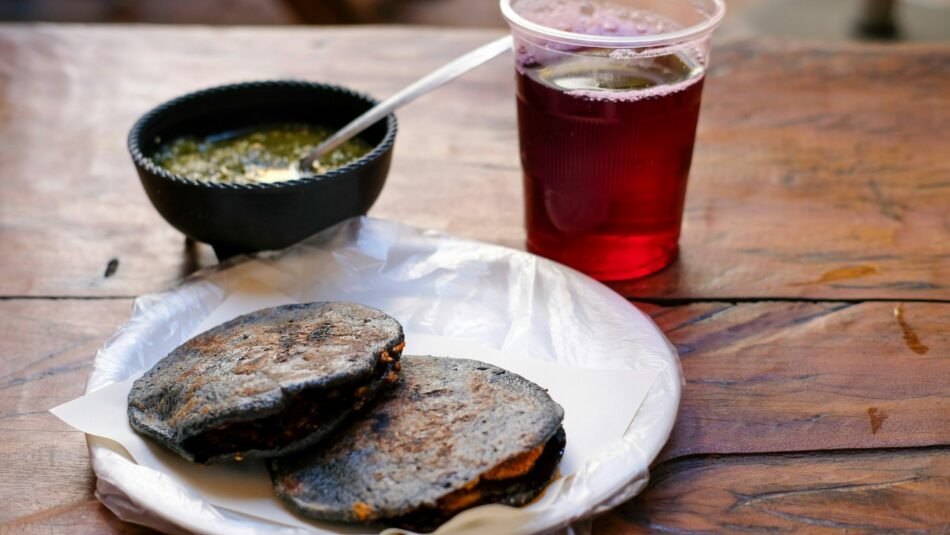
{"points": [[899, 20]]}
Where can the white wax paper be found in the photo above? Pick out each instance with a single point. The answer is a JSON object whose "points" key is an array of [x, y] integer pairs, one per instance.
{"points": [[452, 295]]}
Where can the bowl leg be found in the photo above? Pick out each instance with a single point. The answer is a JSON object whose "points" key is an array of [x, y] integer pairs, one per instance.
{"points": [[225, 251]]}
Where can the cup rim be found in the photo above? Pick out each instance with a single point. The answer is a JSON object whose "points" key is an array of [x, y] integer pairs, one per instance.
{"points": [[617, 41]]}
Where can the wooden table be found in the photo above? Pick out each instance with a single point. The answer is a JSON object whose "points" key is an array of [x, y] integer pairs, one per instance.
{"points": [[811, 306]]}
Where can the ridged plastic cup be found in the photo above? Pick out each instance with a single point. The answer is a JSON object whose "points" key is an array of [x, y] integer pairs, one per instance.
{"points": [[609, 94]]}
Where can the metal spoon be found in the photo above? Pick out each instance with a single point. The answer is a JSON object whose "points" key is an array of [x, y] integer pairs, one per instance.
{"points": [[434, 80]]}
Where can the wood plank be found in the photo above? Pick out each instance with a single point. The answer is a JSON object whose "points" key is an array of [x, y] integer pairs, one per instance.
{"points": [[85, 517], [47, 349], [904, 491], [774, 377], [815, 175], [830, 183]]}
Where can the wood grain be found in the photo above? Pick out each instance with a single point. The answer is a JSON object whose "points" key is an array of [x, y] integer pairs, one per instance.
{"points": [[779, 377], [80, 518], [816, 174], [866, 492], [47, 350]]}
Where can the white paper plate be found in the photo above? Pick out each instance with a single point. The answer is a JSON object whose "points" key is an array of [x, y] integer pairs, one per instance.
{"points": [[499, 298]]}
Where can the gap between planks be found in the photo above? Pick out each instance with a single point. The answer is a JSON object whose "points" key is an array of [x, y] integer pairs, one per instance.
{"points": [[832, 452]]}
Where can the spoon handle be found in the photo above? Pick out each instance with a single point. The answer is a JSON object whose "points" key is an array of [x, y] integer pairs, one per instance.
{"points": [[434, 80]]}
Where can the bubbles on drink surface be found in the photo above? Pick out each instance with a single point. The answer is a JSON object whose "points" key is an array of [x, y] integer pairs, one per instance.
{"points": [[602, 72], [599, 75], [592, 17]]}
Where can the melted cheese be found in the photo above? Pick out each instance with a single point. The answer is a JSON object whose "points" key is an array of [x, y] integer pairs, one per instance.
{"points": [[517, 466], [362, 511]]}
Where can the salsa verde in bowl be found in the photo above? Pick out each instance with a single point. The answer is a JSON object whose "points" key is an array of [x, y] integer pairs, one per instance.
{"points": [[244, 215]]}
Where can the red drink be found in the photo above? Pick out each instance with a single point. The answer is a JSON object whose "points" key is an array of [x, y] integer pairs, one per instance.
{"points": [[606, 149]]}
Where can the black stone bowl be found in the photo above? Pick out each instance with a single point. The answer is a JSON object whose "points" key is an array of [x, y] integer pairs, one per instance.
{"points": [[238, 219]]}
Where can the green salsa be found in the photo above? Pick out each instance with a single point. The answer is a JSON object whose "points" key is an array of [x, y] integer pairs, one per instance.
{"points": [[262, 155]]}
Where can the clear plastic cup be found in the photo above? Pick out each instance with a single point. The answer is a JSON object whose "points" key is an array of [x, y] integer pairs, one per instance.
{"points": [[608, 100]]}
